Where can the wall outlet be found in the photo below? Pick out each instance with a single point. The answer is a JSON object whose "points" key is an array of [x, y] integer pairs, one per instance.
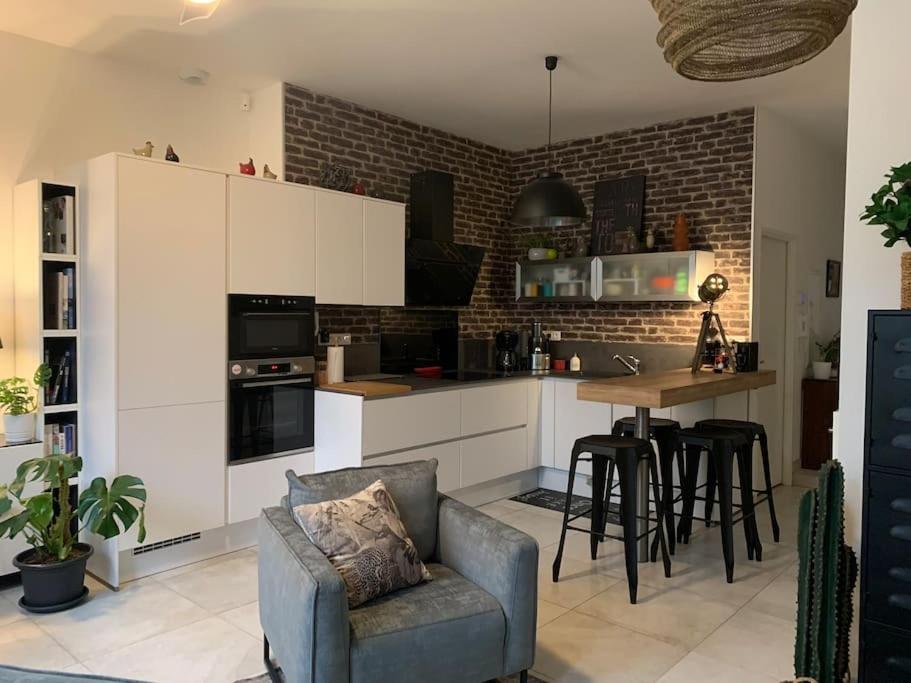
{"points": [[555, 336], [340, 339]]}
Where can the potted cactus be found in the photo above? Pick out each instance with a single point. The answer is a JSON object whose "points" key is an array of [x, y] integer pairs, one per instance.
{"points": [[36, 504], [19, 402]]}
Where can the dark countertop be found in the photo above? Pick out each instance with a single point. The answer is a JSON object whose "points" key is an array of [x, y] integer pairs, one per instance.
{"points": [[474, 378]]}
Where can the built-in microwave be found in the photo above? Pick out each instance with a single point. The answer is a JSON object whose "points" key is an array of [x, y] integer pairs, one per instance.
{"points": [[270, 326]]}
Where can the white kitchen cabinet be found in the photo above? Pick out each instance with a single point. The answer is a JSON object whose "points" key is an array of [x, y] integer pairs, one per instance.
{"points": [[392, 424], [170, 283], [448, 456], [547, 400], [271, 237], [339, 248], [179, 453], [10, 459], [574, 419], [491, 456], [384, 253], [489, 408], [253, 486]]}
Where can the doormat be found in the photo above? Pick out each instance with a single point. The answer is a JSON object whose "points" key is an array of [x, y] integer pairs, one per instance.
{"points": [[556, 500]]}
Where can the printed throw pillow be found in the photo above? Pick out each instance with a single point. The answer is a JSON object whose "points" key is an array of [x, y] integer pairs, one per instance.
{"points": [[365, 540]]}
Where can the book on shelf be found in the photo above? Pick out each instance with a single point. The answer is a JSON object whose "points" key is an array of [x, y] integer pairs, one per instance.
{"points": [[59, 439], [59, 225], [60, 299], [58, 390]]}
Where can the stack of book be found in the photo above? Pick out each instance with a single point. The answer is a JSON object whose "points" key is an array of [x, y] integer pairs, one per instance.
{"points": [[60, 389], [60, 299], [59, 439]]}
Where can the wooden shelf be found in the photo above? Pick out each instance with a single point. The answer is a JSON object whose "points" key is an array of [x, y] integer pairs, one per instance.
{"points": [[62, 258], [54, 334], [61, 408]]}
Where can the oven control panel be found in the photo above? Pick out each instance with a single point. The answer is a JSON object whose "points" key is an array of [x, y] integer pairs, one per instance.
{"points": [[271, 367]]}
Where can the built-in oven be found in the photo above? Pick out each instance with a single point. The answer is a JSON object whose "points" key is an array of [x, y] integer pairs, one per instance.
{"points": [[270, 326], [270, 407]]}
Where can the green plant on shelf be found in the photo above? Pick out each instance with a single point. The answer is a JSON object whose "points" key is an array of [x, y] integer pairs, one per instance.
{"points": [[17, 397], [538, 241], [45, 519], [830, 350], [890, 206]]}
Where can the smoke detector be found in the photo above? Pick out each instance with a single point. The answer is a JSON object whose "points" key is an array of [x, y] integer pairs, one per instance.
{"points": [[193, 75]]}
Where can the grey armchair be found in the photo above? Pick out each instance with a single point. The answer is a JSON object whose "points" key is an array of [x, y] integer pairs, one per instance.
{"points": [[474, 622]]}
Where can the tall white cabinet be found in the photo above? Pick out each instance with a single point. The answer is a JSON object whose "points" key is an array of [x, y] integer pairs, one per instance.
{"points": [[154, 254]]}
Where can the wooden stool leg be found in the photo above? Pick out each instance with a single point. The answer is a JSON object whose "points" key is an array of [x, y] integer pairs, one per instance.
{"points": [[628, 469], [723, 457], [764, 448], [599, 474], [573, 461]]}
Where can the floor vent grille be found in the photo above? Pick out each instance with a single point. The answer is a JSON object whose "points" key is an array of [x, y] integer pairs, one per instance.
{"points": [[161, 545]]}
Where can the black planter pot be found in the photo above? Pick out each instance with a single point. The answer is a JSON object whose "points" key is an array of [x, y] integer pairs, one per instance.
{"points": [[53, 587]]}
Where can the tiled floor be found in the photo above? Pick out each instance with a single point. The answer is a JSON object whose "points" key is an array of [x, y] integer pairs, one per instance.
{"points": [[200, 623]]}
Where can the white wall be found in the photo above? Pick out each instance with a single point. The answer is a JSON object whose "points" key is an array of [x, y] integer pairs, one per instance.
{"points": [[62, 106], [878, 137], [797, 193]]}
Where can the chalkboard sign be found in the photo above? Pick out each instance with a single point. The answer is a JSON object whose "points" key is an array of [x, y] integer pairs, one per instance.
{"points": [[618, 210]]}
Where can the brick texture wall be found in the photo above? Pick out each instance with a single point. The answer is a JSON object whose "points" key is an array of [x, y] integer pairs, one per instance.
{"points": [[701, 167]]}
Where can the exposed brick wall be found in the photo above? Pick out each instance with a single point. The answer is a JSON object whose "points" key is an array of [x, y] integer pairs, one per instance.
{"points": [[702, 167]]}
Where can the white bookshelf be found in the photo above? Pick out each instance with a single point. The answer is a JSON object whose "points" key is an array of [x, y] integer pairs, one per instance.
{"points": [[40, 259]]}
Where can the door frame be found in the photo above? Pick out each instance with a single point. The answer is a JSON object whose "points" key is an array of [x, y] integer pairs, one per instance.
{"points": [[790, 418]]}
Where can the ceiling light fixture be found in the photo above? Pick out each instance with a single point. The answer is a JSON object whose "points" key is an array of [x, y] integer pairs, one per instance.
{"points": [[549, 201], [732, 40], [197, 9]]}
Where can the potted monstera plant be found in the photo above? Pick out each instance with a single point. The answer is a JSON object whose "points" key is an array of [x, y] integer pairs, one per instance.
{"points": [[36, 504], [19, 401], [890, 208]]}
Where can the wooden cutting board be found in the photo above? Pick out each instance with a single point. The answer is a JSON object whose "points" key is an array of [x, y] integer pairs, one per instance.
{"points": [[369, 389]]}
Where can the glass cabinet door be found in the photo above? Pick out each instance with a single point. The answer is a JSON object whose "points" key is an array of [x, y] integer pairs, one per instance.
{"points": [[556, 280], [662, 276]]}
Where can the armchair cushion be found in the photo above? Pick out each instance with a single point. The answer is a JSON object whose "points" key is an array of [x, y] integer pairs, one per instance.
{"points": [[445, 630], [412, 485]]}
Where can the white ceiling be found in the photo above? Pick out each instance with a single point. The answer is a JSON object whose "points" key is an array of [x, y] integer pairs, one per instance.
{"points": [[472, 67]]}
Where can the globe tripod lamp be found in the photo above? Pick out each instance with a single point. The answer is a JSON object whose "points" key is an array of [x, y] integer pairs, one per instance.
{"points": [[710, 291]]}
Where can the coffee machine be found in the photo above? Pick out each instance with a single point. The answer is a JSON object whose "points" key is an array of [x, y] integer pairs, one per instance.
{"points": [[538, 348], [507, 354]]}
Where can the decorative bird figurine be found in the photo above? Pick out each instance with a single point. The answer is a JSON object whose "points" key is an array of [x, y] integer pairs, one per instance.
{"points": [[267, 172], [145, 150], [248, 168], [171, 155]]}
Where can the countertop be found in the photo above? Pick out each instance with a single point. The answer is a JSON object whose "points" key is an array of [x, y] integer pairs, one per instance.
{"points": [[425, 384], [671, 388]]}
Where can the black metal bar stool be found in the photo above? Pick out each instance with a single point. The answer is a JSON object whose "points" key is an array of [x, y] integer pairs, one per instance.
{"points": [[723, 447], [626, 453], [664, 432], [753, 431]]}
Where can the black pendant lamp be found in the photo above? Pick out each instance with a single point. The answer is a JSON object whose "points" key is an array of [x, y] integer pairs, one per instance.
{"points": [[549, 201]]}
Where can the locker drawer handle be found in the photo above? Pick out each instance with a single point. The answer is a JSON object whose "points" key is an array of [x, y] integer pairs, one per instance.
{"points": [[901, 505], [902, 414], [900, 600], [900, 663], [902, 372], [903, 345], [902, 533], [900, 573], [902, 441]]}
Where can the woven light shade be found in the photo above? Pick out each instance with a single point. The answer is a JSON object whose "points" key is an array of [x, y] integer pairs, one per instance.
{"points": [[731, 40]]}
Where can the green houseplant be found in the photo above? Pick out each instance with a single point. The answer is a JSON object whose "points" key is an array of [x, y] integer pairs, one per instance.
{"points": [[19, 401], [890, 207], [36, 504], [828, 357], [540, 247]]}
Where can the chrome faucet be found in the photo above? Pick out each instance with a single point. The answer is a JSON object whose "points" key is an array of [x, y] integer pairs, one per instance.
{"points": [[631, 363]]}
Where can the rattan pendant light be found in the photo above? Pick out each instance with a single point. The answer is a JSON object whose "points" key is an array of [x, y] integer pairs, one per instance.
{"points": [[731, 40]]}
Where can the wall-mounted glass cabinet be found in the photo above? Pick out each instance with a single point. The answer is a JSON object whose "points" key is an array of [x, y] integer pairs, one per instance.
{"points": [[660, 276], [571, 279]]}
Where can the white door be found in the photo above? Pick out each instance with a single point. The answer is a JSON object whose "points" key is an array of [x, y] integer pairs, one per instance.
{"points": [[384, 254], [271, 237], [171, 285], [773, 334], [339, 248]]}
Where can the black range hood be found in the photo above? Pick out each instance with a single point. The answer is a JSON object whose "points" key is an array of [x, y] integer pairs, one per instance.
{"points": [[438, 271]]}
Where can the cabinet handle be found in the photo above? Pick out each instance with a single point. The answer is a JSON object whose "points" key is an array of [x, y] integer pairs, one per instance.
{"points": [[902, 414], [900, 663], [901, 441], [903, 533], [900, 600], [901, 505], [902, 372], [900, 573], [903, 345]]}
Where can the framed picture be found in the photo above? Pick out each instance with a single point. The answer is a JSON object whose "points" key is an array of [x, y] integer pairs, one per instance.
{"points": [[617, 215], [833, 279]]}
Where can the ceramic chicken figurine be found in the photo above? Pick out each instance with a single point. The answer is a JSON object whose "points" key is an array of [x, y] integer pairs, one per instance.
{"points": [[248, 168], [171, 155], [145, 150], [267, 173]]}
